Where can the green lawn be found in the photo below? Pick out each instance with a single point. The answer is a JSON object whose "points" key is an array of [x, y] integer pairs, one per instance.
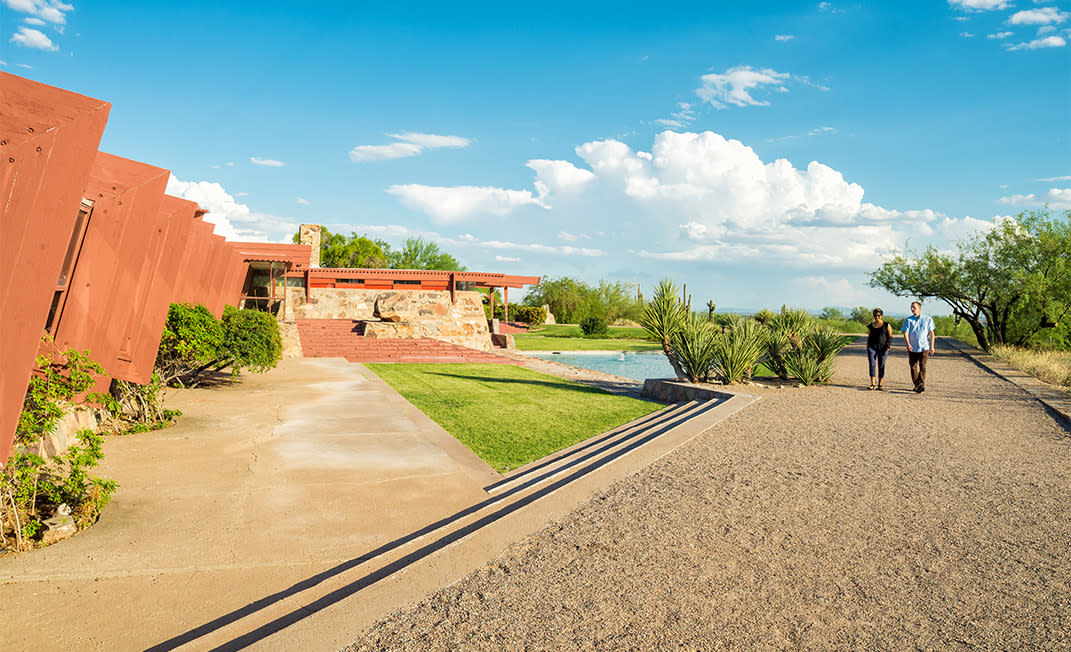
{"points": [[565, 337], [509, 415]]}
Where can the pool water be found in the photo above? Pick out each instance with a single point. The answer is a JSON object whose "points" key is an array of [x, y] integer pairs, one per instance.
{"points": [[630, 364]]}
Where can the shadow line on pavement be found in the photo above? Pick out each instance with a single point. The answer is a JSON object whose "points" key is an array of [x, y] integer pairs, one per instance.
{"points": [[284, 621]]}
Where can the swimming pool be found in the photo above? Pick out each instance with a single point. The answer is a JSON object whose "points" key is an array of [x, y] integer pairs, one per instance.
{"points": [[630, 364]]}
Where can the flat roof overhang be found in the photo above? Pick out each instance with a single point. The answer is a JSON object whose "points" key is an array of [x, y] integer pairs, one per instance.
{"points": [[480, 279]]}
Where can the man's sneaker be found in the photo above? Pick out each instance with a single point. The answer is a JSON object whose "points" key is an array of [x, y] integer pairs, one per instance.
{"points": [[918, 389]]}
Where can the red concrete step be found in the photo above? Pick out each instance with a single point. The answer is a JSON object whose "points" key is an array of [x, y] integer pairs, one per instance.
{"points": [[344, 338]]}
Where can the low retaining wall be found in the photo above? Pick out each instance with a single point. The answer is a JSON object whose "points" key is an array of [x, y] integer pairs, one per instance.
{"points": [[665, 390]]}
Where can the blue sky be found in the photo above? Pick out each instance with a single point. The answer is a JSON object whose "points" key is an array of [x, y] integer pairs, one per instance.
{"points": [[762, 153]]}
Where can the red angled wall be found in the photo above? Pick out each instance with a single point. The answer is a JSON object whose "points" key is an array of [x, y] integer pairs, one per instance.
{"points": [[48, 142], [159, 277], [104, 287]]}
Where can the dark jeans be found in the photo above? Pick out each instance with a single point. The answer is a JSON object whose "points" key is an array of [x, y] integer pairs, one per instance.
{"points": [[918, 367], [877, 361]]}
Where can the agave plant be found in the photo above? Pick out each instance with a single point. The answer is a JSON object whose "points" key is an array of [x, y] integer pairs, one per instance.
{"points": [[737, 351], [663, 317], [694, 348]]}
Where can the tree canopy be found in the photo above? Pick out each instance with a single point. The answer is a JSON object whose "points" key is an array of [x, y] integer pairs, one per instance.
{"points": [[1009, 284], [571, 300], [418, 253], [361, 252]]}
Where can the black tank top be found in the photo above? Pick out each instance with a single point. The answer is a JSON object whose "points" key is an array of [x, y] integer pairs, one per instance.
{"points": [[878, 337]]}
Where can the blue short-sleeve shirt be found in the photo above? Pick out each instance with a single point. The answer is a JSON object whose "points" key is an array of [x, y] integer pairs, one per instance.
{"points": [[918, 332]]}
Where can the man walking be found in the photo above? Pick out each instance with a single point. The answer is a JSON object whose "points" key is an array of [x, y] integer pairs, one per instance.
{"points": [[919, 335]]}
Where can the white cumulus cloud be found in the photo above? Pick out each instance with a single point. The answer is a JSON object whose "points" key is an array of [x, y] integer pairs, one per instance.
{"points": [[232, 220], [980, 5], [784, 37], [32, 38], [53, 11], [1039, 16], [735, 204], [1047, 42], [558, 176], [409, 144], [449, 204], [1000, 36], [1055, 198], [735, 85]]}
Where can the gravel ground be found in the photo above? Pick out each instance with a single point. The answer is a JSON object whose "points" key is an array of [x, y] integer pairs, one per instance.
{"points": [[821, 518]]}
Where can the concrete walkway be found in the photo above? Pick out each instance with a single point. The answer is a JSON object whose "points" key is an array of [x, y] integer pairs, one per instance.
{"points": [[295, 508], [260, 485]]}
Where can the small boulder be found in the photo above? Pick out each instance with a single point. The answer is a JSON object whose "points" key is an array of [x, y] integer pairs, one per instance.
{"points": [[60, 526]]}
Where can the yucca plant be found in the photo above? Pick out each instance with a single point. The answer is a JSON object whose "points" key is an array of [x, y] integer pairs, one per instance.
{"points": [[693, 346], [663, 317], [737, 351], [813, 363], [827, 342], [776, 344], [808, 368], [786, 332]]}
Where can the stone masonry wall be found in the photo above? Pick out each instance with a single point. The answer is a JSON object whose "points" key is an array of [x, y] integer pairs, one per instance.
{"points": [[398, 313]]}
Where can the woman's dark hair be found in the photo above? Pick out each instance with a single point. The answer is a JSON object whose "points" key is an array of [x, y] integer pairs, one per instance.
{"points": [[878, 311]]}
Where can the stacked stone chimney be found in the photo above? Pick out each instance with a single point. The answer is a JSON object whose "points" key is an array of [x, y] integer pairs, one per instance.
{"points": [[310, 234]]}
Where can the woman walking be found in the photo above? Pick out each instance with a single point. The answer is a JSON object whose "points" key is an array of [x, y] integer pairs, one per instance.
{"points": [[878, 341]]}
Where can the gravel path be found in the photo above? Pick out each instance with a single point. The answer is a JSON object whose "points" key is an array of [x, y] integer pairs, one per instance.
{"points": [[821, 518]]}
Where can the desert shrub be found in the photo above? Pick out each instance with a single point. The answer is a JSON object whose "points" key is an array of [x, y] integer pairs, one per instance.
{"points": [[32, 487], [737, 351], [138, 408], [251, 340], [190, 344], [195, 342], [694, 346], [522, 313], [593, 326]]}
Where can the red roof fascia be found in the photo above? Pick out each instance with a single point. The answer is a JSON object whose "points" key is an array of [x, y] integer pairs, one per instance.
{"points": [[483, 279], [296, 255]]}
